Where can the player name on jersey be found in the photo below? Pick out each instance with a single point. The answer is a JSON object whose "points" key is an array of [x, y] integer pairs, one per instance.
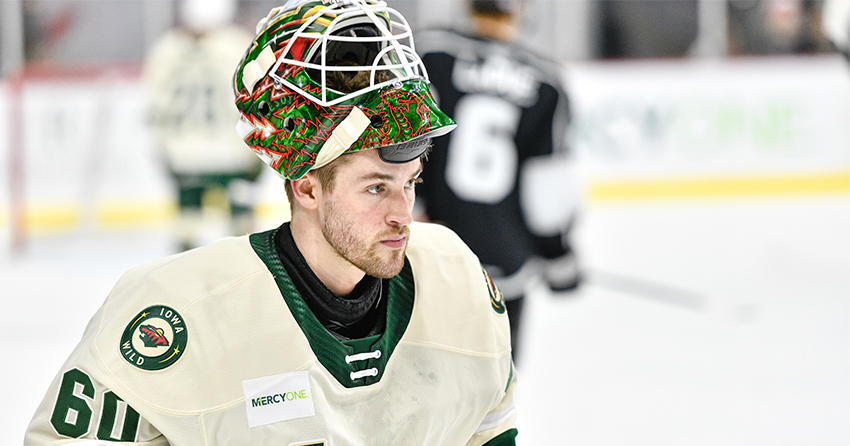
{"points": [[497, 75]]}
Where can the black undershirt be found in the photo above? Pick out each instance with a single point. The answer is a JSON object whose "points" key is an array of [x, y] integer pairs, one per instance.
{"points": [[362, 313]]}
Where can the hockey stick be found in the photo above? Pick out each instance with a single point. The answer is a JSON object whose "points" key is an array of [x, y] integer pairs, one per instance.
{"points": [[671, 295], [658, 292]]}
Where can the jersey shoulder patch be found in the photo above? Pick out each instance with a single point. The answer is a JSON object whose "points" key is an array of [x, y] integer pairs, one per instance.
{"points": [[497, 301], [155, 338]]}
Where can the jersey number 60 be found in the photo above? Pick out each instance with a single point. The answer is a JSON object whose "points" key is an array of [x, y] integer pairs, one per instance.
{"points": [[72, 414]]}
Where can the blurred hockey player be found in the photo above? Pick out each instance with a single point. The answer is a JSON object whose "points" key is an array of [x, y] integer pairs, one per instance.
{"points": [[351, 324], [503, 180], [836, 25], [189, 74]]}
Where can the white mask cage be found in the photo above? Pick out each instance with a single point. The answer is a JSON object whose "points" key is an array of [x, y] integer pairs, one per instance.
{"points": [[396, 56]]}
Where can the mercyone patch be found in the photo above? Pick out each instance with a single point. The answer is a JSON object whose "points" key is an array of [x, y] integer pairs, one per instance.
{"points": [[278, 398], [155, 338]]}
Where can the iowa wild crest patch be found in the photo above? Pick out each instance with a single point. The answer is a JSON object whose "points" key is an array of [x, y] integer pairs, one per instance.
{"points": [[155, 338], [497, 301]]}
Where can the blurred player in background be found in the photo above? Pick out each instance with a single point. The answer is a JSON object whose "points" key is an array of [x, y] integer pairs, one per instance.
{"points": [[836, 25], [351, 324], [189, 72], [503, 179]]}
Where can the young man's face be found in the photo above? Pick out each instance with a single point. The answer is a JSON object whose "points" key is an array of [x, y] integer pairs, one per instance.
{"points": [[365, 217]]}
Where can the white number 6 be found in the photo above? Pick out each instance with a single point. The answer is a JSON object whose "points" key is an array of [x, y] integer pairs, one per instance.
{"points": [[482, 157]]}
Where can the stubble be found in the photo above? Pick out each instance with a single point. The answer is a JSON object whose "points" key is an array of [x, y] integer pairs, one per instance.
{"points": [[369, 255]]}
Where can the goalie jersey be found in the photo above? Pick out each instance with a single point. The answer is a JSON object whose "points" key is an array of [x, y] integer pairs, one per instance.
{"points": [[215, 346]]}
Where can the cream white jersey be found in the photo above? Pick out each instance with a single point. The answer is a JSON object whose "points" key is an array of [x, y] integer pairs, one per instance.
{"points": [[189, 79], [216, 347]]}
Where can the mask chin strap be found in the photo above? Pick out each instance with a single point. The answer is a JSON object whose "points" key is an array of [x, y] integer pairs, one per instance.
{"points": [[343, 136]]}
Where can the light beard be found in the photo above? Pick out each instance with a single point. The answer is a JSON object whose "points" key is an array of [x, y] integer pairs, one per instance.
{"points": [[364, 254]]}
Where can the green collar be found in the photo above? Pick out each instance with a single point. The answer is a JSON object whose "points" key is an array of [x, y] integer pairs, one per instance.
{"points": [[332, 353]]}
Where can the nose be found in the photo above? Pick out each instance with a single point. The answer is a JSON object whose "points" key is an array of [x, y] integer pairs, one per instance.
{"points": [[400, 208]]}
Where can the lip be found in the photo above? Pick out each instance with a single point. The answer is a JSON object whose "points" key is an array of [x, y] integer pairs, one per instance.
{"points": [[396, 242]]}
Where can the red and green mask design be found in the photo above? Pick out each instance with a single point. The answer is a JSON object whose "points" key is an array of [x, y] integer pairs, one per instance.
{"points": [[295, 123]]}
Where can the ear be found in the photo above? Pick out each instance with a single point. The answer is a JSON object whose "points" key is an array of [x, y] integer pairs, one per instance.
{"points": [[307, 191]]}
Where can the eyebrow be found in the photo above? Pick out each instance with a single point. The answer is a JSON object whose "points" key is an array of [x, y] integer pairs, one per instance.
{"points": [[385, 177]]}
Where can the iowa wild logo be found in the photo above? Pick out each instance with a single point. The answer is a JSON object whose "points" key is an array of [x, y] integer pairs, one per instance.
{"points": [[496, 299], [155, 338]]}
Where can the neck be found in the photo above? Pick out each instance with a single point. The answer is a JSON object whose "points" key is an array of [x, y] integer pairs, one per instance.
{"points": [[336, 273]]}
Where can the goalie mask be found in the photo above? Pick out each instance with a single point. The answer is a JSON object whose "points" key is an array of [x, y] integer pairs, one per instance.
{"points": [[326, 78]]}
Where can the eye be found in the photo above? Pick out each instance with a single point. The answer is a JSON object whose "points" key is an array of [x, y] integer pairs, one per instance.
{"points": [[376, 189], [412, 183]]}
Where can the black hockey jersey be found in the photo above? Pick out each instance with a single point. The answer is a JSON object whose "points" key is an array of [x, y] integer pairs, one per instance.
{"points": [[495, 180]]}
